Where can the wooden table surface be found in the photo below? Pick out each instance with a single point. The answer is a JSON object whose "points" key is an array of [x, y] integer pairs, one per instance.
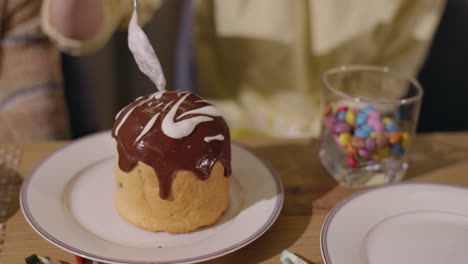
{"points": [[310, 193]]}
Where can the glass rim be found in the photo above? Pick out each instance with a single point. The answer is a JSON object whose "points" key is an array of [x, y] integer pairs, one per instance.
{"points": [[371, 68]]}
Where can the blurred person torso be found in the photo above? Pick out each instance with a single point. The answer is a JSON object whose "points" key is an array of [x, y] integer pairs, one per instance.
{"points": [[261, 61], [31, 96]]}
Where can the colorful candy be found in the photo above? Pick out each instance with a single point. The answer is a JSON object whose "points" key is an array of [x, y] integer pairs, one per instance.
{"points": [[361, 119], [370, 144], [376, 125], [341, 127], [394, 137], [391, 127], [350, 117], [373, 114], [350, 150], [363, 153], [364, 136], [364, 131], [375, 156], [342, 109], [405, 140], [367, 108], [387, 120], [352, 162], [329, 121], [367, 128], [381, 140], [397, 149], [341, 115], [359, 159], [344, 139], [384, 152], [361, 133], [357, 142], [379, 127]]}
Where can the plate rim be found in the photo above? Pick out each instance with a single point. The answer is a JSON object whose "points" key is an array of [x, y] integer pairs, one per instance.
{"points": [[328, 219], [51, 239]]}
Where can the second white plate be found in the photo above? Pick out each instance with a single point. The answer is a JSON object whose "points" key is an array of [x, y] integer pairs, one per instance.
{"points": [[411, 223], [68, 199]]}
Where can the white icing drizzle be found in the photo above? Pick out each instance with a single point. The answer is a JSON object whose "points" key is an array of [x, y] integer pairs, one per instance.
{"points": [[202, 101], [149, 64], [121, 110], [123, 120], [119, 113], [143, 52], [158, 94], [183, 128], [167, 105], [179, 94], [147, 127], [128, 114], [206, 110], [217, 137]]}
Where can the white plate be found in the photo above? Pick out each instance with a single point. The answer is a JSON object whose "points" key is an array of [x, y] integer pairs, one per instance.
{"points": [[68, 200], [410, 223]]}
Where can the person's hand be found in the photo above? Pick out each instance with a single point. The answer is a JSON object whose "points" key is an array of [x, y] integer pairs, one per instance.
{"points": [[77, 19]]}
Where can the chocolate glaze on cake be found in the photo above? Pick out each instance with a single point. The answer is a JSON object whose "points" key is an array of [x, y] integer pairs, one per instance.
{"points": [[171, 131]]}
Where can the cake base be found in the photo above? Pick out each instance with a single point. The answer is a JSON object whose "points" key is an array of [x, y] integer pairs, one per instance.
{"points": [[192, 203]]}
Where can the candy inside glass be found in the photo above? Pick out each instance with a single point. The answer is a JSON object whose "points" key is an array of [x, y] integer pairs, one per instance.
{"points": [[369, 118]]}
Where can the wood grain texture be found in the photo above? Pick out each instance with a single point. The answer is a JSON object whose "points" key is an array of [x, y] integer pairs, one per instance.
{"points": [[310, 193]]}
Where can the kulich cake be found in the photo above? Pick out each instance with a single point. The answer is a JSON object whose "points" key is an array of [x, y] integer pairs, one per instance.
{"points": [[173, 162]]}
